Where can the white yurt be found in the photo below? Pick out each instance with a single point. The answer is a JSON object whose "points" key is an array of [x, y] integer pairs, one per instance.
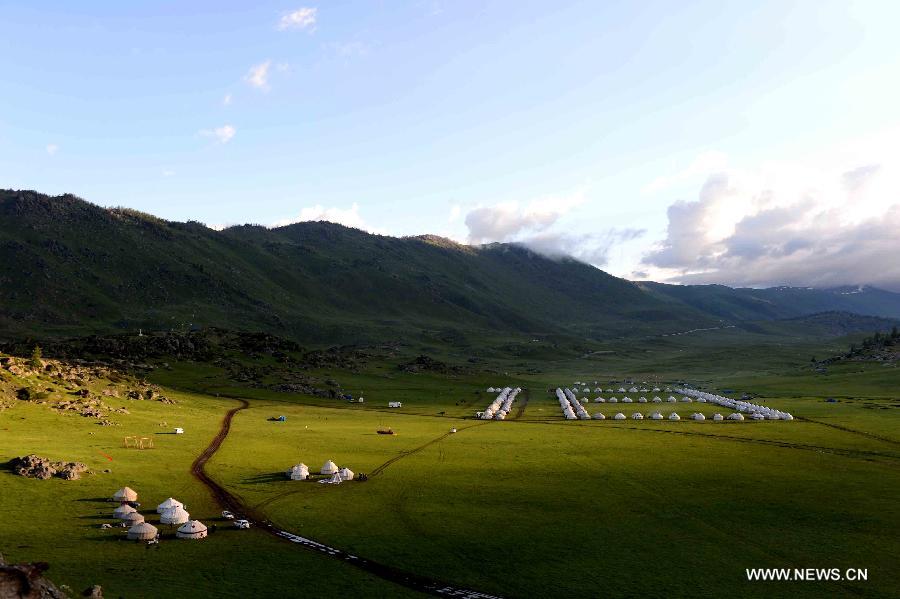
{"points": [[192, 529], [298, 472], [637, 416], [671, 399], [331, 468], [346, 474], [613, 400], [626, 400], [687, 400], [674, 416], [699, 416], [490, 390], [175, 515], [758, 416], [642, 399], [132, 519], [787, 417], [619, 416], [168, 504], [125, 494], [143, 531], [717, 417], [123, 510], [701, 400], [599, 416], [657, 400], [599, 400], [336, 478], [736, 416], [656, 416]]}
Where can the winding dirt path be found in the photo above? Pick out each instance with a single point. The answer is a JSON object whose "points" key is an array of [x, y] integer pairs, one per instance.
{"points": [[234, 504]]}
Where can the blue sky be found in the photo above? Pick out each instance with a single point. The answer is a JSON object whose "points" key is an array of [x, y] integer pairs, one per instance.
{"points": [[571, 126]]}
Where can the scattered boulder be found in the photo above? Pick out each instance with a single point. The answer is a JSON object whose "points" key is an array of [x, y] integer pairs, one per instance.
{"points": [[26, 581], [33, 466]]}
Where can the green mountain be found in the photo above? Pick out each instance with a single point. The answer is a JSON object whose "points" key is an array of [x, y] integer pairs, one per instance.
{"points": [[68, 267]]}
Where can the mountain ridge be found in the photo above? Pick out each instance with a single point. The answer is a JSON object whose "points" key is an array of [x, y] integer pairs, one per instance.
{"points": [[72, 267]]}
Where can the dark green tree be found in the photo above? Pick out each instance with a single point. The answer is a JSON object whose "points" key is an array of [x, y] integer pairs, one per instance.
{"points": [[36, 357]]}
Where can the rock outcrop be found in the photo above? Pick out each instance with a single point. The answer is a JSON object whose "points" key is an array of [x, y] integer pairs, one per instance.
{"points": [[33, 466]]}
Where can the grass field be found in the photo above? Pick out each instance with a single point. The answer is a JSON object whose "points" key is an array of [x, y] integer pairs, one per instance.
{"points": [[532, 506]]}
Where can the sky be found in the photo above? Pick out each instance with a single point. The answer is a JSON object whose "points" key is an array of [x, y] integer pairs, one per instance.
{"points": [[692, 142]]}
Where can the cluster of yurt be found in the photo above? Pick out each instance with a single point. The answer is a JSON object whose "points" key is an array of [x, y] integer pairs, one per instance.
{"points": [[171, 512], [756, 411], [335, 475], [501, 405], [572, 408]]}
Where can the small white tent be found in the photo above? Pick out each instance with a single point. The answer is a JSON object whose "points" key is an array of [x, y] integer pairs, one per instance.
{"points": [[656, 416], [674, 416], [736, 416], [143, 531], [192, 529], [599, 400], [699, 416], [717, 417], [329, 468], [132, 519], [642, 399], [125, 494], [619, 416], [599, 416], [613, 400], [123, 510], [626, 400], [175, 515], [168, 504], [637, 416], [346, 474], [298, 472]]}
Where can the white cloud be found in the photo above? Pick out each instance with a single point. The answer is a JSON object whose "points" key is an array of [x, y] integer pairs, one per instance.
{"points": [[349, 217], [52, 149], [226, 101], [302, 18], [787, 225], [258, 75], [509, 221], [223, 134], [536, 225]]}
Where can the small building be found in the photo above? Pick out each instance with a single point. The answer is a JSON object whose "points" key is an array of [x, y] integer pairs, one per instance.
{"points": [[123, 510], [179, 430], [125, 494], [174, 516], [298, 472], [329, 467], [143, 531], [395, 404], [168, 504], [192, 529], [131, 519]]}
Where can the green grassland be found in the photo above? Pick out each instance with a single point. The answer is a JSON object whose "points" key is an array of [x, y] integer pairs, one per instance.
{"points": [[532, 506]]}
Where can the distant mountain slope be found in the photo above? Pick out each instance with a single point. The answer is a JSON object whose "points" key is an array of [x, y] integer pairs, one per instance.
{"points": [[779, 302], [70, 267]]}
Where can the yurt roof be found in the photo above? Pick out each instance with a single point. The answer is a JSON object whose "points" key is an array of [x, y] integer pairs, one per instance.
{"points": [[192, 526], [126, 494]]}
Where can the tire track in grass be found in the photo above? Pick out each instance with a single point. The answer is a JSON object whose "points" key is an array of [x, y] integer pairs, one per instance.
{"points": [[234, 504], [405, 454], [851, 430], [850, 453]]}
